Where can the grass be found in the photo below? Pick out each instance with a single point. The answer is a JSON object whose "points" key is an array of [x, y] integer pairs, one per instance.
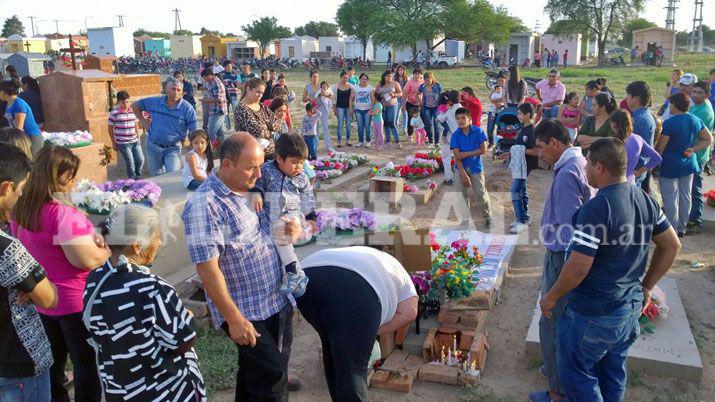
{"points": [[218, 360]]}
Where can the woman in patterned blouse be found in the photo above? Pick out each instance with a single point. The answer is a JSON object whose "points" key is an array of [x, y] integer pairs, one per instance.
{"points": [[255, 118], [142, 334]]}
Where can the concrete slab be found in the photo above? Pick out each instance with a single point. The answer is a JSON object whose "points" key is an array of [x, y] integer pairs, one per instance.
{"points": [[670, 351], [414, 342], [351, 174]]}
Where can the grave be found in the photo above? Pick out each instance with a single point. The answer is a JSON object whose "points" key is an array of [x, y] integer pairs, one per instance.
{"points": [[338, 182], [670, 351], [387, 188], [101, 63]]}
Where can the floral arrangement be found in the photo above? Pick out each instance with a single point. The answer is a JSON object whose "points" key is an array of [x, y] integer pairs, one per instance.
{"points": [[89, 196], [710, 197], [350, 159], [422, 163], [429, 186], [389, 170], [140, 191], [433, 154], [410, 189], [345, 219], [413, 173], [453, 269], [328, 165], [327, 175], [422, 281], [74, 139], [656, 310], [107, 156]]}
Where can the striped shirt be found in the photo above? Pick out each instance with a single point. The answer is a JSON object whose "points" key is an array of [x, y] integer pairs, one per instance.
{"points": [[124, 123]]}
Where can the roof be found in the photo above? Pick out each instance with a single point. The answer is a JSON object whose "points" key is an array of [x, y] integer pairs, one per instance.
{"points": [[655, 29], [90, 75], [18, 37], [56, 36], [33, 56], [102, 57]]}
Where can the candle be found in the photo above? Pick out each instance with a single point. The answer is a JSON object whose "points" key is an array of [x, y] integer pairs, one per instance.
{"points": [[454, 342]]}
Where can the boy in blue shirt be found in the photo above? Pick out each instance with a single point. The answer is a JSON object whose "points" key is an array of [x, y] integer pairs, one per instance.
{"points": [[468, 144]]}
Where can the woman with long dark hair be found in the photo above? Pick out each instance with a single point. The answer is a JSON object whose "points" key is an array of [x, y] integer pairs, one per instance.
{"points": [[61, 238], [389, 91], [31, 94], [255, 118], [516, 89], [402, 78], [636, 147], [19, 114], [598, 125]]}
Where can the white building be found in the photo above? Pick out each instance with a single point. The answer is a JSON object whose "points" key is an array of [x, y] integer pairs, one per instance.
{"points": [[571, 42], [298, 47], [455, 48], [353, 49], [55, 42], [111, 41], [520, 46], [247, 49], [404, 54], [185, 46], [332, 45]]}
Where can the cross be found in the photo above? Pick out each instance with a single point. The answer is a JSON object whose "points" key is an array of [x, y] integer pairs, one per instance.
{"points": [[27, 45], [73, 52]]}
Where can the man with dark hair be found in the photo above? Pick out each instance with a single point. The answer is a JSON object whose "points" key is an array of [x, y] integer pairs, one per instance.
{"points": [[215, 101], [235, 255], [638, 99], [246, 74], [230, 81], [569, 191], [607, 257], [551, 92], [25, 355], [704, 110]]}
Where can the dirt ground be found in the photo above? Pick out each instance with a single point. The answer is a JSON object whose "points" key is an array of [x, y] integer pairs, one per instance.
{"points": [[509, 374]]}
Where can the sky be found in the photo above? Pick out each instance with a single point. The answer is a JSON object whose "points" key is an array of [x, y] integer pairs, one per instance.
{"points": [[157, 15]]}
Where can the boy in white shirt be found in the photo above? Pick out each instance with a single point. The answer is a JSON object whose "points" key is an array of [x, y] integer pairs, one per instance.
{"points": [[452, 100]]}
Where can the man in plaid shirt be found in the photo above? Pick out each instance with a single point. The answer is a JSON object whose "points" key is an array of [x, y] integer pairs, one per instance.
{"points": [[235, 256], [230, 81], [215, 101]]}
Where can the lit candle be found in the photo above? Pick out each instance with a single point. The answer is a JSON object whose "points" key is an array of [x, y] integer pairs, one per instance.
{"points": [[454, 342]]}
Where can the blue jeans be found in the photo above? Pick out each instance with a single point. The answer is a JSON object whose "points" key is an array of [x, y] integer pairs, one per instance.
{"points": [[389, 117], [551, 112], [312, 141], [162, 160], [193, 185], [344, 118], [491, 122], [696, 212], [363, 124], [520, 200], [429, 118], [553, 263], [133, 158], [233, 102], [403, 116], [217, 127], [26, 389], [593, 352]]}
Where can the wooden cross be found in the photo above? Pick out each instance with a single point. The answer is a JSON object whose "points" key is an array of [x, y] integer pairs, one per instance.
{"points": [[27, 45], [73, 52]]}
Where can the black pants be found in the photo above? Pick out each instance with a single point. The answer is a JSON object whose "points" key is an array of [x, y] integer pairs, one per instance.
{"points": [[67, 334], [263, 369], [345, 311], [408, 107]]}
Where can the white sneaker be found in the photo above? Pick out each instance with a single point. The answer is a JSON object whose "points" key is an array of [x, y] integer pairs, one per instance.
{"points": [[361, 145], [368, 144], [518, 228]]}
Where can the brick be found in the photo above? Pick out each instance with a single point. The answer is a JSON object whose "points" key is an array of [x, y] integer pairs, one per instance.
{"points": [[412, 365], [394, 361], [370, 373], [394, 381], [466, 379], [478, 351], [387, 344], [448, 317], [428, 345], [465, 341], [379, 379], [439, 373]]}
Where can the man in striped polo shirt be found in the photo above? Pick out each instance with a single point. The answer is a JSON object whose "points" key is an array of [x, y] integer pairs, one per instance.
{"points": [[123, 132]]}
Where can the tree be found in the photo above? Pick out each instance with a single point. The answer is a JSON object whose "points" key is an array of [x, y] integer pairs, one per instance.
{"points": [[403, 22], [357, 18], [205, 31], [153, 34], [602, 18], [317, 29], [183, 32], [264, 31], [13, 26], [633, 25]]}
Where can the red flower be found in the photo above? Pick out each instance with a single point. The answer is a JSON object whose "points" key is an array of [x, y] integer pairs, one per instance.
{"points": [[651, 311], [710, 195], [433, 242]]}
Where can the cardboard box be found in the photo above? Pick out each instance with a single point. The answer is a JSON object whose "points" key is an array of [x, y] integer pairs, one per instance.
{"points": [[410, 247], [422, 197], [388, 188]]}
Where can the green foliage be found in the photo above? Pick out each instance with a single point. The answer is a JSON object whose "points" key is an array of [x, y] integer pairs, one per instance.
{"points": [[218, 360], [633, 25], [183, 32], [317, 29], [206, 31], [357, 18], [13, 26], [603, 19], [264, 31], [153, 34]]}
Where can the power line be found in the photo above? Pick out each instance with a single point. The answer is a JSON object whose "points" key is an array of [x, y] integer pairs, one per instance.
{"points": [[177, 19], [32, 23], [121, 20], [696, 36], [670, 18]]}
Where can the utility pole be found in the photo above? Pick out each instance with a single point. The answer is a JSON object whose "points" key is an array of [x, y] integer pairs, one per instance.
{"points": [[32, 23], [537, 28], [670, 18], [695, 42], [177, 19], [57, 25], [121, 20]]}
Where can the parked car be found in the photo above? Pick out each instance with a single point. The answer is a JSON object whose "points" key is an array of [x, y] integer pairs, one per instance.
{"points": [[707, 49], [619, 50]]}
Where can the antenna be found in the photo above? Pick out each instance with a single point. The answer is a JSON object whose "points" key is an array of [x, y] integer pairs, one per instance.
{"points": [[121, 20], [32, 23], [695, 42], [670, 18], [177, 19], [537, 27]]}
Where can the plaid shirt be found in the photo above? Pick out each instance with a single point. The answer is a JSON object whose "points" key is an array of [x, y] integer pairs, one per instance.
{"points": [[220, 223], [296, 190], [230, 80], [216, 90]]}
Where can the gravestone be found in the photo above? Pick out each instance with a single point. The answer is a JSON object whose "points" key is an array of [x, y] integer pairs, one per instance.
{"points": [[101, 63], [670, 351]]}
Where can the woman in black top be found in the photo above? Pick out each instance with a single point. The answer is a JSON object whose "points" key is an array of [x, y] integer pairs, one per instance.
{"points": [[31, 94], [516, 89], [344, 108]]}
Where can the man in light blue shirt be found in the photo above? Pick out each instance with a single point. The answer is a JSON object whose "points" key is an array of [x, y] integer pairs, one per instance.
{"points": [[171, 118]]}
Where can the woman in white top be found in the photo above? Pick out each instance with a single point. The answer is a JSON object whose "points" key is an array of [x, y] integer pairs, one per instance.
{"points": [[354, 294], [199, 162], [362, 103]]}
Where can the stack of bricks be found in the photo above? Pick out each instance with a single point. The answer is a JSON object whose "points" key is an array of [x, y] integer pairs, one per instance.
{"points": [[469, 341], [398, 372], [91, 166]]}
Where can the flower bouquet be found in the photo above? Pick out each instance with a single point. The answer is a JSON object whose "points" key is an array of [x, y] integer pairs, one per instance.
{"points": [[656, 310], [434, 155], [389, 170], [345, 221], [710, 197], [328, 174], [422, 163], [350, 159], [95, 201], [75, 139], [144, 192], [414, 173], [453, 269], [328, 165]]}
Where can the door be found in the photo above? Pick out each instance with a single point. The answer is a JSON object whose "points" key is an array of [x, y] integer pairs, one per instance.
{"points": [[212, 52], [329, 50], [291, 52], [513, 53]]}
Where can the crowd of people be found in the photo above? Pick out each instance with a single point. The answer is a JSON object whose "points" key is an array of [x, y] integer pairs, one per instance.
{"points": [[71, 290]]}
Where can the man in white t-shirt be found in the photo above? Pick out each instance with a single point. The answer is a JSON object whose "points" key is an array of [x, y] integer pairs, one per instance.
{"points": [[354, 294]]}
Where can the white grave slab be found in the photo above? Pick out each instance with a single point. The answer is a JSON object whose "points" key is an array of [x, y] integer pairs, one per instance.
{"points": [[670, 351]]}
